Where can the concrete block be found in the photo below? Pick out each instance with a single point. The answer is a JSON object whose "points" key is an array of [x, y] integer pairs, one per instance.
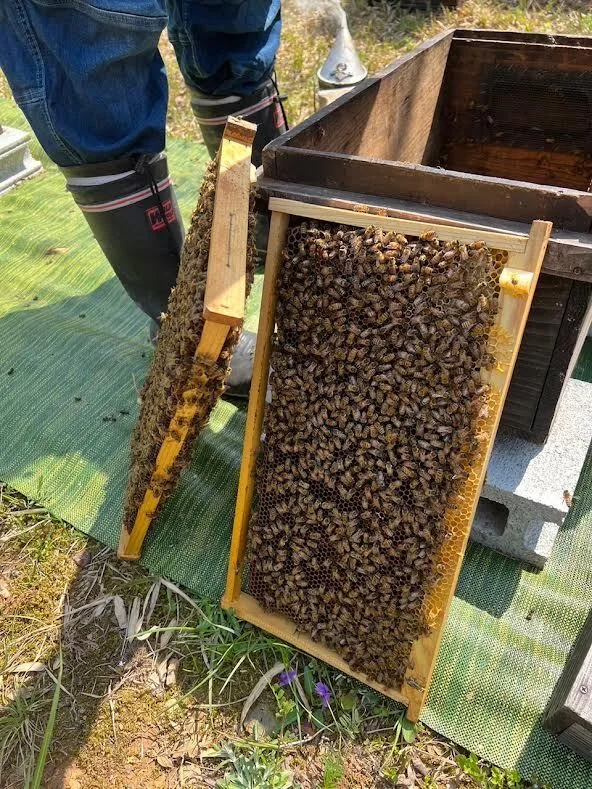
{"points": [[16, 161], [524, 499]]}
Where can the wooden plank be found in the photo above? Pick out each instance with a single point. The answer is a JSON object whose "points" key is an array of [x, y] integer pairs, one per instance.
{"points": [[226, 281], [361, 121], [569, 254], [511, 321], [504, 110], [568, 704], [130, 544], [536, 351], [568, 209], [491, 34], [246, 607], [579, 739], [577, 319], [391, 117], [551, 167], [512, 242], [246, 486]]}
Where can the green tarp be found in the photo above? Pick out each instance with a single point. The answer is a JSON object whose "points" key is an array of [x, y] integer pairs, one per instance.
{"points": [[74, 352]]}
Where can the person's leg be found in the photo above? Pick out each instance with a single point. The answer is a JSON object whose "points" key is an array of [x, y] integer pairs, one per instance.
{"points": [[92, 84], [226, 52]]}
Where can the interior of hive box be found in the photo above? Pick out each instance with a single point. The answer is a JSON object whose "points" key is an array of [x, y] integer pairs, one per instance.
{"points": [[501, 107]]}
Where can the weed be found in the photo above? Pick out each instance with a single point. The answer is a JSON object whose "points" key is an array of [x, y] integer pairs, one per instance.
{"points": [[19, 728], [489, 778], [333, 771], [253, 769], [48, 735]]}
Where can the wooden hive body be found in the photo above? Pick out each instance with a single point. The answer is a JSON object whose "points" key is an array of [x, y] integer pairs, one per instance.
{"points": [[470, 127]]}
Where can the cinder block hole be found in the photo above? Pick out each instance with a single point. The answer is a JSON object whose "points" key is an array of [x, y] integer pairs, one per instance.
{"points": [[492, 517]]}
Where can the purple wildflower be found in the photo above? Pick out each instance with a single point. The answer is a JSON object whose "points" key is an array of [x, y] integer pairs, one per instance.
{"points": [[324, 693], [286, 678]]}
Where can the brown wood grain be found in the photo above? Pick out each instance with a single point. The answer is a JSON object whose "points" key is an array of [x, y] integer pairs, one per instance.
{"points": [[391, 117], [570, 337], [497, 197], [518, 109], [538, 343], [555, 168], [491, 34], [571, 701], [365, 120], [569, 254]]}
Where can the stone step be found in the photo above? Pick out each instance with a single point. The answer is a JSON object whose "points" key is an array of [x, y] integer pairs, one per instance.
{"points": [[16, 161]]}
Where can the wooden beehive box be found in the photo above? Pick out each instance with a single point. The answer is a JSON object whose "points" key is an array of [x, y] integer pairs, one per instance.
{"points": [[569, 714], [481, 128]]}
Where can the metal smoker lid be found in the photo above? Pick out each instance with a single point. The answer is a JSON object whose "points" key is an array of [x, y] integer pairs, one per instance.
{"points": [[343, 67]]}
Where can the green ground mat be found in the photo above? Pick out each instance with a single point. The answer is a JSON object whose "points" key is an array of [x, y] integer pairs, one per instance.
{"points": [[68, 331]]}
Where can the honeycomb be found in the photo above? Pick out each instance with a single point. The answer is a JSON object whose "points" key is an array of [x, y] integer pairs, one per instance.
{"points": [[374, 437], [174, 370]]}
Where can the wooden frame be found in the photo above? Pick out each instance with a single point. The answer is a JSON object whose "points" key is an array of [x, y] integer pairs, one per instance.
{"points": [[517, 282], [224, 306]]}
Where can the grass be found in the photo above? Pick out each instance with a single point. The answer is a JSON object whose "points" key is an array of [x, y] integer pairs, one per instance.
{"points": [[121, 718], [159, 702]]}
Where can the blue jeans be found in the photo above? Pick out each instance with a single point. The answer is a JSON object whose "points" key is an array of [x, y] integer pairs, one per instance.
{"points": [[89, 77]]}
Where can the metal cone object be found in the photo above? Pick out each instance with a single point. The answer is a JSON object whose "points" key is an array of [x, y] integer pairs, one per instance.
{"points": [[343, 67]]}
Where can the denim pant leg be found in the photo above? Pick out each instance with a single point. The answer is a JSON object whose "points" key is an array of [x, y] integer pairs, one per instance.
{"points": [[225, 47], [88, 77]]}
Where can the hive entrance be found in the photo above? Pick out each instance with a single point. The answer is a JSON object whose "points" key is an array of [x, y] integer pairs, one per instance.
{"points": [[388, 371]]}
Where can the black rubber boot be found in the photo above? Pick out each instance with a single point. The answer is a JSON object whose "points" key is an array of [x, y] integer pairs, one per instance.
{"points": [[264, 107], [241, 364], [137, 223]]}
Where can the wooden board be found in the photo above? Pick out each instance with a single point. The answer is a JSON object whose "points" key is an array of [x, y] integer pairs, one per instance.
{"points": [[569, 712], [363, 121], [569, 209], [518, 282], [224, 305], [224, 300], [569, 254], [503, 110]]}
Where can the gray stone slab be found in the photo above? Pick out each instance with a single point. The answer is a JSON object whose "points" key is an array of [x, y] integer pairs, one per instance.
{"points": [[523, 503], [16, 161]]}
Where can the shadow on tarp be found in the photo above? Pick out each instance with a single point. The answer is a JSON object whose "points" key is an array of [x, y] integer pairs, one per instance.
{"points": [[70, 377], [492, 584]]}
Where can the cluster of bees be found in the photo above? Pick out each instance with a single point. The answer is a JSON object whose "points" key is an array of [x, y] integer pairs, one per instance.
{"points": [[376, 397], [175, 376]]}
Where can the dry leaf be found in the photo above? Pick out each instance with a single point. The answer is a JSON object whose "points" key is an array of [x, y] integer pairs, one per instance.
{"points": [[419, 767], [171, 675], [101, 605], [259, 688], [120, 615], [161, 669], [154, 682], [150, 602], [167, 635], [26, 668], [170, 585], [4, 590], [134, 621]]}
